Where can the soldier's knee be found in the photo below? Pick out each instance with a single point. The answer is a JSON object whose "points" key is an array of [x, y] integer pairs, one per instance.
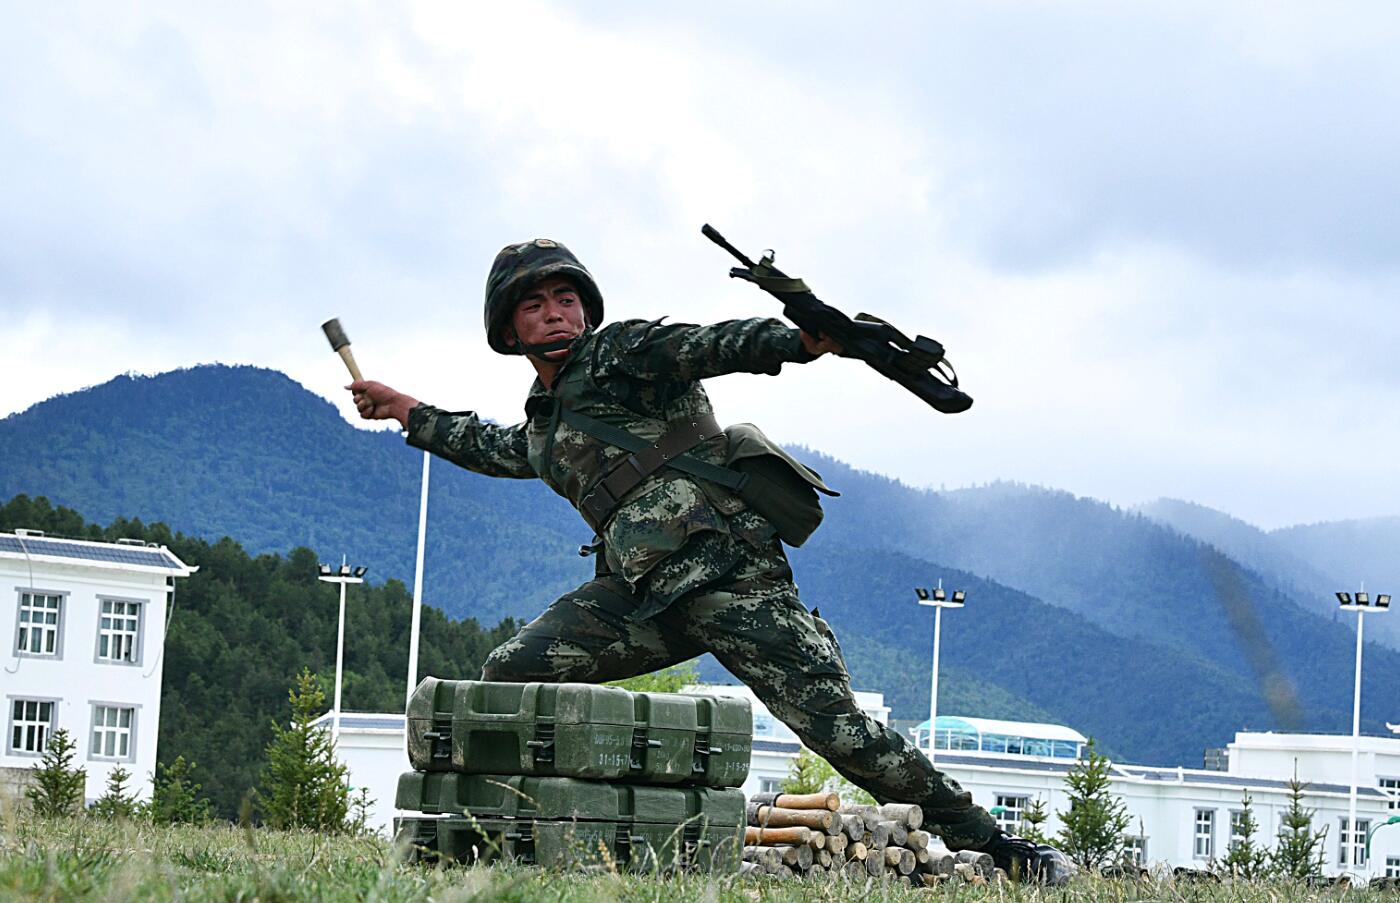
{"points": [[514, 662]]}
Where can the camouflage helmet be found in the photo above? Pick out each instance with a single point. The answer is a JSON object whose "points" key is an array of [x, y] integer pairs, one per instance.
{"points": [[519, 266]]}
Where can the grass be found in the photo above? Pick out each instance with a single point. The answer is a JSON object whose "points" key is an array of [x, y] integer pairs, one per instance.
{"points": [[85, 859]]}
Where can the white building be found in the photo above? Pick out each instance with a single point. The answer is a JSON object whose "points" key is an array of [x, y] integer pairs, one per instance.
{"points": [[83, 651], [1186, 816]]}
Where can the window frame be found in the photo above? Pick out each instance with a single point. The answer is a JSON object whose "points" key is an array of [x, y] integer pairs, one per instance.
{"points": [[1011, 827], [1357, 844], [53, 702], [1390, 786], [62, 596], [1208, 836], [1135, 846], [138, 642], [94, 705]]}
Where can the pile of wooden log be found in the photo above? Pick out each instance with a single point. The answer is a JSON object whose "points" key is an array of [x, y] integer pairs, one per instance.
{"points": [[814, 836]]}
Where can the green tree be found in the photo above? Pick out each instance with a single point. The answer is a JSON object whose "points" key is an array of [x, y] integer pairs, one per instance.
{"points": [[810, 773], [667, 680], [175, 795], [57, 787], [1032, 818], [1246, 859], [1298, 854], [1094, 823], [117, 800], [304, 785]]}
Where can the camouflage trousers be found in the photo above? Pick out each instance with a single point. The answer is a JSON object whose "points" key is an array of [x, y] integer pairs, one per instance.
{"points": [[749, 616]]}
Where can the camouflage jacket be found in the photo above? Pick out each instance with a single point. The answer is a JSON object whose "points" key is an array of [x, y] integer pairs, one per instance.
{"points": [[642, 377]]}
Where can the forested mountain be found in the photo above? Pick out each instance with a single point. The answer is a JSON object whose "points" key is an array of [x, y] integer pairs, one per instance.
{"points": [[1312, 562], [1156, 642]]}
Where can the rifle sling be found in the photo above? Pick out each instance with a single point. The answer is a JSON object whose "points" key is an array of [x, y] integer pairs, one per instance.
{"points": [[646, 459]]}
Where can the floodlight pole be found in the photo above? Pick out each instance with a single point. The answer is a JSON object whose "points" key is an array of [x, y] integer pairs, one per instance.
{"points": [[939, 602], [418, 585], [341, 576], [1361, 604]]}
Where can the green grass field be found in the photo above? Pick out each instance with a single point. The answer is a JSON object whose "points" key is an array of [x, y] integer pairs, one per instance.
{"points": [[85, 859]]}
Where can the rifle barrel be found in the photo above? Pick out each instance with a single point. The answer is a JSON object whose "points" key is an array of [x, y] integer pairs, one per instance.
{"points": [[713, 235]]}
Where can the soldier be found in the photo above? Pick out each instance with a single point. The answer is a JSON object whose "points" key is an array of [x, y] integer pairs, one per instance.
{"points": [[684, 563]]}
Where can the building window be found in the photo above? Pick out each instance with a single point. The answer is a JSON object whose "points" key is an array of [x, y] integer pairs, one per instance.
{"points": [[1392, 866], [1357, 844], [1013, 810], [770, 785], [1205, 834], [31, 722], [1135, 850], [1392, 787], [762, 725], [119, 631], [111, 731], [39, 622]]}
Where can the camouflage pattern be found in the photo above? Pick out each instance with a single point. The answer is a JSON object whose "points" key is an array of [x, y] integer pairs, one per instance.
{"points": [[752, 621], [686, 567], [520, 265], [639, 376]]}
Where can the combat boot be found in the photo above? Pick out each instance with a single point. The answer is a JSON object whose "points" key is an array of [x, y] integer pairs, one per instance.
{"points": [[1026, 861]]}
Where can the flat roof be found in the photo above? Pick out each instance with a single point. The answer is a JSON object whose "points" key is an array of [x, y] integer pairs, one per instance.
{"points": [[114, 555], [1031, 729]]}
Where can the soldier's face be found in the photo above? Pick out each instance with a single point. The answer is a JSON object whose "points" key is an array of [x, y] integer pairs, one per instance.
{"points": [[550, 310]]}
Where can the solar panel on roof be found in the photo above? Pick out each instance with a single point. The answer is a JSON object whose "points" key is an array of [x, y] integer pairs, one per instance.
{"points": [[143, 557]]}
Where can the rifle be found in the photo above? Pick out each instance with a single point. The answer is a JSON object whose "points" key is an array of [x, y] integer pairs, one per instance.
{"points": [[918, 364]]}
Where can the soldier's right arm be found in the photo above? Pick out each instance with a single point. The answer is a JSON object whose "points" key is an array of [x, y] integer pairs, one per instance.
{"points": [[463, 439]]}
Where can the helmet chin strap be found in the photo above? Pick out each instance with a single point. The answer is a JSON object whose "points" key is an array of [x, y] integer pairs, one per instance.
{"points": [[559, 345]]}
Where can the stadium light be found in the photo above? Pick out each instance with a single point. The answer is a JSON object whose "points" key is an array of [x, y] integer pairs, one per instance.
{"points": [[1361, 604], [939, 600], [341, 575]]}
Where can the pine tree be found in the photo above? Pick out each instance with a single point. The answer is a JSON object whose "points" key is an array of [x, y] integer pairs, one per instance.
{"points": [[117, 801], [1298, 854], [57, 787], [667, 680], [175, 795], [1094, 824], [304, 785], [810, 773], [1035, 815], [1246, 860]]}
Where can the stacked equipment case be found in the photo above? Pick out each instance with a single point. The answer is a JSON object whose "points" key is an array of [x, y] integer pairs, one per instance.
{"points": [[562, 774]]}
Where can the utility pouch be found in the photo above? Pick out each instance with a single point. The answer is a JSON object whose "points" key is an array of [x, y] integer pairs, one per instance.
{"points": [[779, 487]]}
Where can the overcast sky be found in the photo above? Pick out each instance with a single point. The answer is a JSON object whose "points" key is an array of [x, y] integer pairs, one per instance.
{"points": [[1158, 239]]}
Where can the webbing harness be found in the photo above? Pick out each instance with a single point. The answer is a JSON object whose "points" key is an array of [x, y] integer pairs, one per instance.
{"points": [[645, 459]]}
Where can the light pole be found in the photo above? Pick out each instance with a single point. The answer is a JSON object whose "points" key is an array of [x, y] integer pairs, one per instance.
{"points": [[342, 575], [939, 600], [1361, 604]]}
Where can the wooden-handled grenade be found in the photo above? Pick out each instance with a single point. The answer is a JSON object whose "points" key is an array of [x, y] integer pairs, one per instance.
{"points": [[340, 344]]}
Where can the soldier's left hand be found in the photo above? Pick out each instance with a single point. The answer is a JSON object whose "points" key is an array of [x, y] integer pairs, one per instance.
{"points": [[820, 345]]}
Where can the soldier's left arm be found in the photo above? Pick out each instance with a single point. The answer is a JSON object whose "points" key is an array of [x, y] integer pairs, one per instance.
{"points": [[682, 351]]}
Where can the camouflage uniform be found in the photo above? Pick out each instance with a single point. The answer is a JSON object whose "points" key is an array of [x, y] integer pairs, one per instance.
{"points": [[685, 567]]}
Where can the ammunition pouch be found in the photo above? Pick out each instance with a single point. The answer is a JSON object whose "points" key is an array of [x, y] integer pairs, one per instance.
{"points": [[769, 480], [779, 487]]}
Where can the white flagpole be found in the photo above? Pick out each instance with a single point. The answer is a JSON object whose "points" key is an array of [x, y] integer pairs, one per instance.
{"points": [[418, 585]]}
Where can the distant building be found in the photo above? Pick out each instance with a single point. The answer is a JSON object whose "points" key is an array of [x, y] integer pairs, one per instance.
{"points": [[1187, 816], [83, 651]]}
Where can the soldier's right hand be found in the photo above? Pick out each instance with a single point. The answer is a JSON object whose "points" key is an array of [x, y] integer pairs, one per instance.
{"points": [[376, 401]]}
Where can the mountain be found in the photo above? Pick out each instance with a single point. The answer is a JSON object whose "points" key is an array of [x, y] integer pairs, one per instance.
{"points": [[1311, 562], [1156, 642]]}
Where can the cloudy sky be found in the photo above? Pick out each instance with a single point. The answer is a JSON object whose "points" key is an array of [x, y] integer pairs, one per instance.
{"points": [[1158, 239]]}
